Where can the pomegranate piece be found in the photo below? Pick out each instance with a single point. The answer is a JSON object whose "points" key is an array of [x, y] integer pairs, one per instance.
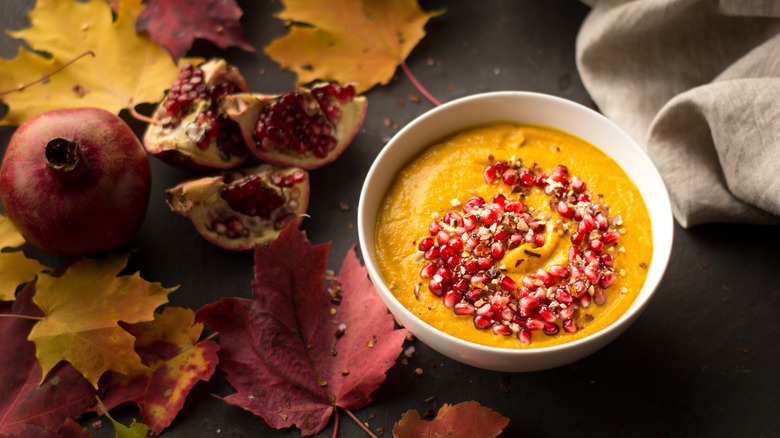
{"points": [[242, 208], [190, 130], [306, 128]]}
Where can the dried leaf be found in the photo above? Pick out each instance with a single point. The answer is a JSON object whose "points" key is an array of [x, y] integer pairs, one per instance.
{"points": [[10, 237], [464, 420], [15, 270], [136, 430], [175, 24], [355, 41], [27, 406], [285, 353], [83, 308], [127, 69], [177, 361]]}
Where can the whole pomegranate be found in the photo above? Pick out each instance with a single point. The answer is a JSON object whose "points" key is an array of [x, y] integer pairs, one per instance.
{"points": [[75, 181]]}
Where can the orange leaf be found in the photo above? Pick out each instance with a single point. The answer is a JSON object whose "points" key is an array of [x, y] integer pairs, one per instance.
{"points": [[349, 41], [83, 308], [464, 420], [127, 69], [177, 361]]}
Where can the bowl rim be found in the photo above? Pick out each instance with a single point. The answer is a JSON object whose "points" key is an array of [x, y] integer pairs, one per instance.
{"points": [[659, 220]]}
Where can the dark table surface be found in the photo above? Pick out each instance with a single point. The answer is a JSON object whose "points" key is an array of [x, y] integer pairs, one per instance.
{"points": [[702, 361]]}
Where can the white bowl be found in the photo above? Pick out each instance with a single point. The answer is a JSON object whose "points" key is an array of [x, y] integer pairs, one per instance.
{"points": [[530, 108]]}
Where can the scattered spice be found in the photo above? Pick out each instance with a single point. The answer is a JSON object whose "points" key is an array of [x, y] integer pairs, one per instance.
{"points": [[414, 97], [643, 265], [430, 399], [531, 253], [418, 371]]}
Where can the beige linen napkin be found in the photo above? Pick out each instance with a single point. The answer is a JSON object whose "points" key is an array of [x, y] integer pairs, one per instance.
{"points": [[697, 84]]}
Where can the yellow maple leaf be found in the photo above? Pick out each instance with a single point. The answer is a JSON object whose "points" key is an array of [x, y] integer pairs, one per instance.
{"points": [[127, 69], [82, 308], [16, 269], [10, 237], [349, 41]]}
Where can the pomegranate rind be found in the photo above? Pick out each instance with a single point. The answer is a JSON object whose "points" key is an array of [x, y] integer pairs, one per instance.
{"points": [[245, 108], [178, 146], [100, 209], [200, 200]]}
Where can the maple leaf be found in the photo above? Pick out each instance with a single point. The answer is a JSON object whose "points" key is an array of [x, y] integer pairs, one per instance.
{"points": [[464, 420], [16, 269], [349, 41], [10, 237], [177, 361], [135, 430], [291, 361], [28, 408], [82, 308], [127, 69], [175, 24]]}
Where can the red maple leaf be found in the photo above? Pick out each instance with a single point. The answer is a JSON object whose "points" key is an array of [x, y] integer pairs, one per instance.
{"points": [[27, 408], [464, 420], [175, 24], [291, 358]]}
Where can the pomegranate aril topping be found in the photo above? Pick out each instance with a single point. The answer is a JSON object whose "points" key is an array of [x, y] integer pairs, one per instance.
{"points": [[564, 296], [565, 210], [473, 295], [482, 322], [601, 222], [539, 240], [506, 283], [443, 237], [550, 329], [546, 278], [432, 253], [485, 262], [588, 223], [451, 298], [546, 314], [426, 243], [607, 279], [435, 287], [434, 228], [592, 274], [566, 312], [501, 329], [584, 300], [607, 260], [489, 175], [610, 237], [486, 310], [469, 222], [534, 324], [559, 271], [514, 241], [577, 184], [599, 298], [461, 285], [464, 309], [596, 245], [473, 203], [453, 219], [524, 336], [573, 253], [514, 206], [580, 287], [590, 258], [500, 166], [570, 326], [453, 261], [526, 180], [497, 251], [500, 235]]}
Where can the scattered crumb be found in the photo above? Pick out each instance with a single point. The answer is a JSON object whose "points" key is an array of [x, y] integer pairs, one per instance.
{"points": [[743, 350], [401, 102], [409, 336], [450, 87], [409, 352], [430, 399], [350, 226], [430, 62], [343, 206], [643, 265], [404, 361], [97, 425], [379, 431], [418, 371], [414, 97], [703, 265]]}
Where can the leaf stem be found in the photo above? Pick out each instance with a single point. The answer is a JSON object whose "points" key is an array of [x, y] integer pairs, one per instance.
{"points": [[48, 75], [336, 423], [359, 423], [419, 86], [14, 315], [142, 117]]}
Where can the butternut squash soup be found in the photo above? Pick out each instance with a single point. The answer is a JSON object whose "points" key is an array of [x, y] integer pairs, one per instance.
{"points": [[514, 235]]}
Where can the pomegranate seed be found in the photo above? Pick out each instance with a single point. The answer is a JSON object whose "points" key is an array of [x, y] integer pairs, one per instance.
{"points": [[565, 210], [577, 184], [539, 240], [574, 252], [445, 275], [471, 266], [500, 235], [506, 283], [479, 279], [456, 243], [546, 277], [514, 241], [566, 312], [526, 180], [524, 336], [530, 283], [473, 203], [546, 314], [453, 261], [580, 287], [473, 295], [588, 221], [435, 287], [601, 222], [582, 197], [599, 298], [486, 310], [463, 309], [596, 245], [469, 222], [461, 285], [490, 175], [501, 329], [607, 260], [489, 215], [607, 279], [446, 251], [442, 237], [540, 180], [610, 237], [451, 298], [584, 301], [508, 314], [534, 324], [590, 258], [498, 301], [497, 251], [536, 225], [428, 270], [434, 228], [529, 302], [570, 326], [426, 243], [482, 323], [432, 253], [485, 262], [550, 329], [509, 177], [252, 198], [453, 219], [560, 170], [560, 272], [500, 166], [576, 270], [564, 296], [592, 274], [514, 207], [471, 243]]}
